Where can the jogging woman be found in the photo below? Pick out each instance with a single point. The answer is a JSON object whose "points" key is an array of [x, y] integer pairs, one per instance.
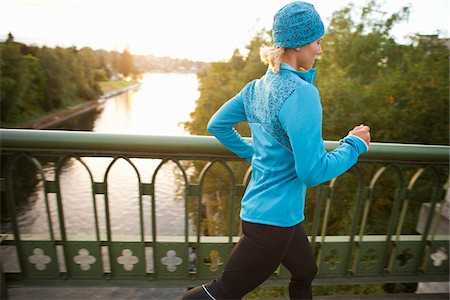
{"points": [[287, 155]]}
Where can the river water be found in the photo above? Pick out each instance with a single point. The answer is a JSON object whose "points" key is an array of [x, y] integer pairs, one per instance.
{"points": [[157, 107]]}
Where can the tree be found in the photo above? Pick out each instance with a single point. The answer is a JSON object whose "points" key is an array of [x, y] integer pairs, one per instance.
{"points": [[13, 78], [34, 94], [222, 80], [56, 75], [366, 77], [36, 81], [126, 65]]}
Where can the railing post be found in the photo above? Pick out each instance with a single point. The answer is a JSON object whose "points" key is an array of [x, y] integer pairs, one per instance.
{"points": [[12, 210], [362, 194], [321, 194], [3, 287], [428, 232], [388, 256], [325, 195]]}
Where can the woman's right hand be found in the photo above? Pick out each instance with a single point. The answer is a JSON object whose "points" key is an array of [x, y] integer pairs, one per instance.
{"points": [[363, 132]]}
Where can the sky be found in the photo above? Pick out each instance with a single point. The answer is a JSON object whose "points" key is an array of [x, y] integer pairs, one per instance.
{"points": [[203, 30]]}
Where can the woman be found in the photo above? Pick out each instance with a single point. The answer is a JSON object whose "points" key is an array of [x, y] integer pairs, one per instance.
{"points": [[287, 155]]}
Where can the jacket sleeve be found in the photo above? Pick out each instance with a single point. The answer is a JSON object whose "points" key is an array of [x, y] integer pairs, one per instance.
{"points": [[301, 118], [221, 126]]}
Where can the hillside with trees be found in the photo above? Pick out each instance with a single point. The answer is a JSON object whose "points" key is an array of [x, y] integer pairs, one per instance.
{"points": [[151, 63], [36, 81]]}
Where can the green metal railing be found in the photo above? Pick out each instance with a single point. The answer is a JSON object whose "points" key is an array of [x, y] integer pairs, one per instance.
{"points": [[379, 222]]}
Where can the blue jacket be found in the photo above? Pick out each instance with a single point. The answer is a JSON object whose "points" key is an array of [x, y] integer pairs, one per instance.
{"points": [[287, 153]]}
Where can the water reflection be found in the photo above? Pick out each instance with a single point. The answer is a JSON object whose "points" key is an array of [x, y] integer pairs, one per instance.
{"points": [[84, 122], [157, 107]]}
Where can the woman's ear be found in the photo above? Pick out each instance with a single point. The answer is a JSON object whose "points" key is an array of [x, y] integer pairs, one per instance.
{"points": [[298, 49]]}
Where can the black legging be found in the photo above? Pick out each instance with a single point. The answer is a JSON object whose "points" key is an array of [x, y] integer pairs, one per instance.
{"points": [[256, 256]]}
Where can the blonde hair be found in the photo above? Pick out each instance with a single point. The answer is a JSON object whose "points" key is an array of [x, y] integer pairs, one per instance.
{"points": [[271, 55]]}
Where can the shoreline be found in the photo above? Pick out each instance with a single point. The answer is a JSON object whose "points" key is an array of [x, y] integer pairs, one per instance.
{"points": [[76, 110]]}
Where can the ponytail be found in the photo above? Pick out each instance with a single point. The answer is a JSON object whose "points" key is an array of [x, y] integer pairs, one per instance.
{"points": [[271, 55]]}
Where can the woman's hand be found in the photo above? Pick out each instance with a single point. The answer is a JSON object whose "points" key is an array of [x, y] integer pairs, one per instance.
{"points": [[363, 132]]}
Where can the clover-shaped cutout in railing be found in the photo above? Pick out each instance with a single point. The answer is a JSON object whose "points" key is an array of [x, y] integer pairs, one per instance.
{"points": [[439, 256], [171, 260], [84, 259], [369, 259], [333, 259], [213, 260], [39, 259], [128, 260], [404, 257]]}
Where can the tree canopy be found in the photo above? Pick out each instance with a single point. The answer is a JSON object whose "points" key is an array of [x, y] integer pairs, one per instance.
{"points": [[38, 80], [364, 76]]}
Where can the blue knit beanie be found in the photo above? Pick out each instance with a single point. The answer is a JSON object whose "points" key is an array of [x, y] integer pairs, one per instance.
{"points": [[296, 24]]}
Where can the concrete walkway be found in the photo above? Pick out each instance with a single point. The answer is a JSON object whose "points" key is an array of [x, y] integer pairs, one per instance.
{"points": [[168, 294], [94, 293]]}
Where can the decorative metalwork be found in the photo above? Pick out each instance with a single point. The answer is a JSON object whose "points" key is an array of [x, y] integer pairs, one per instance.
{"points": [[39, 259], [128, 260], [369, 259], [439, 256], [333, 259], [84, 259], [213, 260], [405, 257], [171, 261]]}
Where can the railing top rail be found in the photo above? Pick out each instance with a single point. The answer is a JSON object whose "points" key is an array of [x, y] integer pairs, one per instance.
{"points": [[199, 146]]}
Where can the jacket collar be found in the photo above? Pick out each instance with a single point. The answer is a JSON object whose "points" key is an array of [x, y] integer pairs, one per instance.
{"points": [[308, 75]]}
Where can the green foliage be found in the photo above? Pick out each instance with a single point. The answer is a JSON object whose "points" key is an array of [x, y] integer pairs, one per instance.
{"points": [[364, 76], [13, 78], [221, 81], [266, 292], [360, 289], [36, 81], [126, 65]]}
